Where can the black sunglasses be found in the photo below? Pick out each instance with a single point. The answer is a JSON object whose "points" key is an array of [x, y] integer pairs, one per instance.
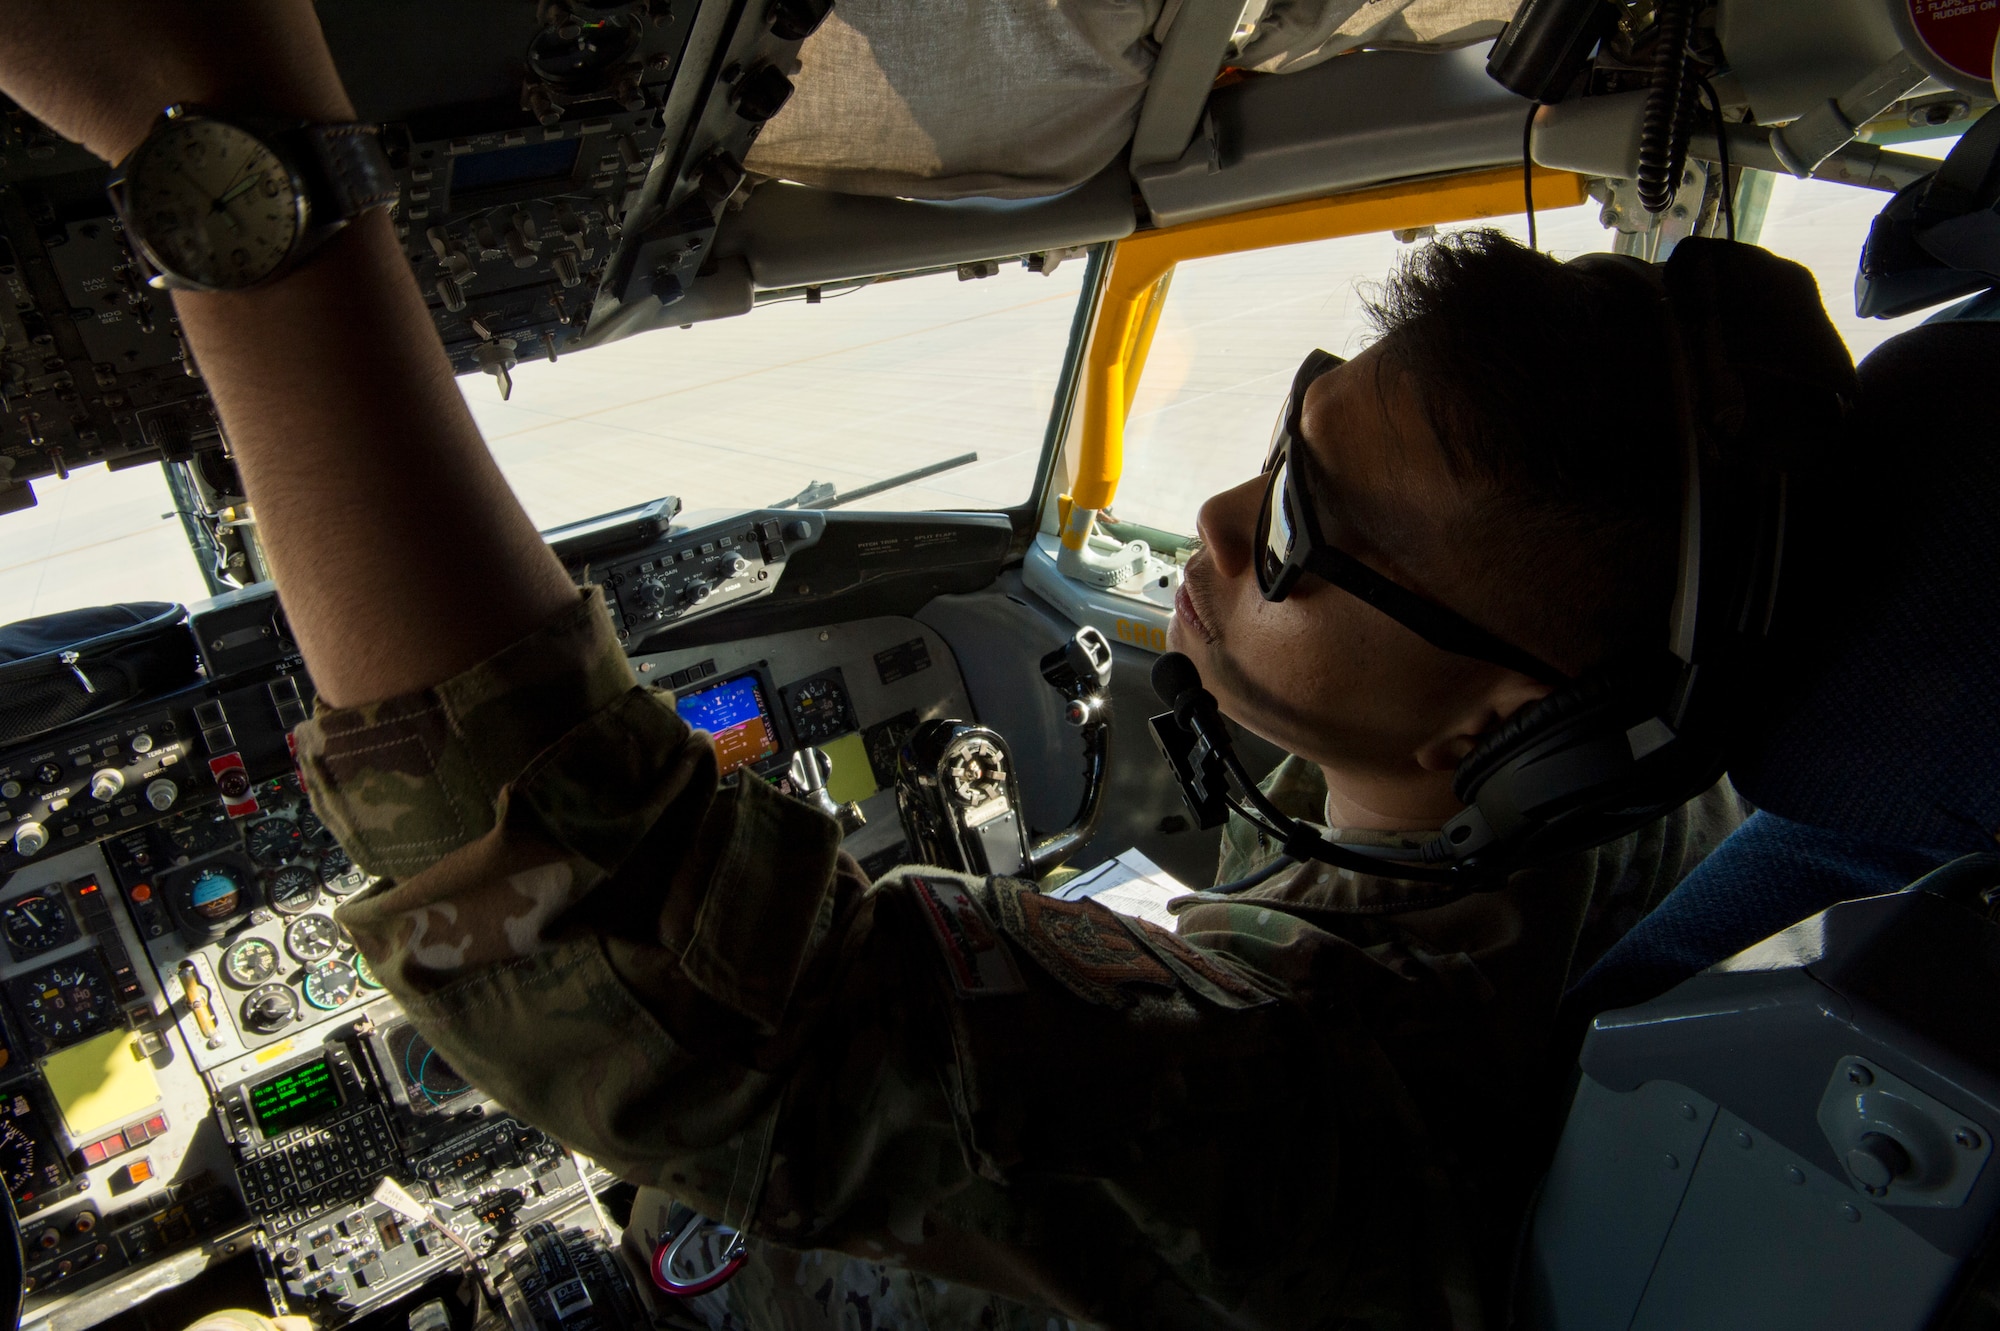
{"points": [[1290, 543]]}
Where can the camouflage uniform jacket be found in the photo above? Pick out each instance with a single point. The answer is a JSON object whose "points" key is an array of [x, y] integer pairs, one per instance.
{"points": [[1249, 1124]]}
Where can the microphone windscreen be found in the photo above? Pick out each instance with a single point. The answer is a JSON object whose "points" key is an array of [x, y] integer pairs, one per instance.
{"points": [[1173, 676]]}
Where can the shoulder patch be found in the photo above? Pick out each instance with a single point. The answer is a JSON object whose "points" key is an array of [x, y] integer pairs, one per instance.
{"points": [[976, 956], [1207, 975], [1081, 944]]}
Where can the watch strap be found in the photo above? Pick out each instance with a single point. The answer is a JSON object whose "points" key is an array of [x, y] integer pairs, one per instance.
{"points": [[352, 168]]}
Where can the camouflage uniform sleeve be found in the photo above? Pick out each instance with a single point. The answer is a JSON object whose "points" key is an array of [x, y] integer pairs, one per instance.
{"points": [[689, 982]]}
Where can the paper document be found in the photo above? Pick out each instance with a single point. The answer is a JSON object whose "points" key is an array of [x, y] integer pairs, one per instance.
{"points": [[1131, 885]]}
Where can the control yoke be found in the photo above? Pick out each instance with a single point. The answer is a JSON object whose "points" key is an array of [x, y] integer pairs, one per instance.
{"points": [[959, 794]]}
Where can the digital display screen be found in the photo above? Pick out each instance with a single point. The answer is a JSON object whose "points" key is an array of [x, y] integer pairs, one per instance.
{"points": [[291, 1098], [734, 712], [514, 166]]}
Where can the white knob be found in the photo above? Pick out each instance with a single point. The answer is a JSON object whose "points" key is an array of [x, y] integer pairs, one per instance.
{"points": [[162, 793], [29, 838], [105, 783], [738, 566]]}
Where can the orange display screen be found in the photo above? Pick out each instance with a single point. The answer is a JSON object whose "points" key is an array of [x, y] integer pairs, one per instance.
{"points": [[734, 713]]}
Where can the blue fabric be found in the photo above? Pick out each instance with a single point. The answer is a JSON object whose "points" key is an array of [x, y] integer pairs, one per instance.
{"points": [[1770, 874], [1883, 719]]}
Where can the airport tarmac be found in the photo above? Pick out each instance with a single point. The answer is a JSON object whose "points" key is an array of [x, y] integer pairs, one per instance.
{"points": [[861, 386]]}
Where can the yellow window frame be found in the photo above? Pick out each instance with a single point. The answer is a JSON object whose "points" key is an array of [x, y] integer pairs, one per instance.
{"points": [[1142, 269]]}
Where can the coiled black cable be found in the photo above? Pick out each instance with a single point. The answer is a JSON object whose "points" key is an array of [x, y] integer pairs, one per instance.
{"points": [[1670, 102]]}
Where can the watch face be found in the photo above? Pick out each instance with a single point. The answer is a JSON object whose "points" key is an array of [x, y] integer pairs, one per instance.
{"points": [[213, 206]]}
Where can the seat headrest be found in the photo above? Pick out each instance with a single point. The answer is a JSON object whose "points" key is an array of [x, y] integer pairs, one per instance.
{"points": [[1884, 694]]}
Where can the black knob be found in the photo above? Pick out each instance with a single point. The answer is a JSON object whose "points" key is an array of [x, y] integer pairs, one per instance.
{"points": [[794, 20], [1877, 1160], [666, 288], [648, 594], [49, 774], [762, 93]]}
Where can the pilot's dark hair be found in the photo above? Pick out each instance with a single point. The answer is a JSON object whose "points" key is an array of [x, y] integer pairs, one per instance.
{"points": [[1549, 391]]}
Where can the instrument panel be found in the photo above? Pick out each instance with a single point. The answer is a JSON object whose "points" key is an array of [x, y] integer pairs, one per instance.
{"points": [[195, 1061], [853, 692], [172, 974]]}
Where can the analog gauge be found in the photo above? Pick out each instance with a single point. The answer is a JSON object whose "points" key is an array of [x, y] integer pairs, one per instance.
{"points": [[339, 875], [214, 894], [212, 204], [270, 1008], [292, 889], [30, 1164], [20, 1160], [330, 985], [195, 834], [37, 922], [820, 710], [312, 939], [313, 830], [250, 963], [65, 1003], [274, 840], [365, 973]]}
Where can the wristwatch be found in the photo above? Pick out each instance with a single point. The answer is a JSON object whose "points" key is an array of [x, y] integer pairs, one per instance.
{"points": [[216, 201]]}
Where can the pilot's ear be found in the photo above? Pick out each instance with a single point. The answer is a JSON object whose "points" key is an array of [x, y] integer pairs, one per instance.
{"points": [[1506, 693]]}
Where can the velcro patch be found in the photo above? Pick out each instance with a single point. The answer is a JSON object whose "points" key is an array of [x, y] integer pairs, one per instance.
{"points": [[976, 956], [1081, 944], [1212, 979]]}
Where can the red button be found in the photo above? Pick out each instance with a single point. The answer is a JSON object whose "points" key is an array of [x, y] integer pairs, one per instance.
{"points": [[142, 892], [156, 1125], [95, 1153]]}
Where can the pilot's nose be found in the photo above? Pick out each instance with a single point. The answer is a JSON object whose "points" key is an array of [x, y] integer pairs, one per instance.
{"points": [[1228, 526]]}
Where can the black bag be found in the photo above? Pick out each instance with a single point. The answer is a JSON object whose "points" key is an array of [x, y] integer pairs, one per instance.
{"points": [[66, 667]]}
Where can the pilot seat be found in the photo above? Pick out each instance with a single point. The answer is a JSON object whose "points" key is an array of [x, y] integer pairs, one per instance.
{"points": [[1797, 1132]]}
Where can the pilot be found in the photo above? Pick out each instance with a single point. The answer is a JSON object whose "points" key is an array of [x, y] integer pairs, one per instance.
{"points": [[1321, 1104]]}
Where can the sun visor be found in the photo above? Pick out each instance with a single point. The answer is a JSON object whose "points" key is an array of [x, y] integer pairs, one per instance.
{"points": [[1019, 99], [1009, 100]]}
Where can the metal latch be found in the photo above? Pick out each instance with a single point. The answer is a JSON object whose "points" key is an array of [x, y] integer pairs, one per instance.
{"points": [[71, 659]]}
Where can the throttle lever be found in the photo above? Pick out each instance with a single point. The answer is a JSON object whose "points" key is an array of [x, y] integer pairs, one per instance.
{"points": [[810, 770]]}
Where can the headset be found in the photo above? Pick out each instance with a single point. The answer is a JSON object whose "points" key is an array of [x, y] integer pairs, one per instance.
{"points": [[1762, 383]]}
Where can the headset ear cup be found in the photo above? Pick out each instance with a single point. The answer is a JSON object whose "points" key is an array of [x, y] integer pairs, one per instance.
{"points": [[1599, 691]]}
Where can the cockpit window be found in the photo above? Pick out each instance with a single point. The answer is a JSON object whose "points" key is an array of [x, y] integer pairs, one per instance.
{"points": [[1230, 337], [801, 399], [1234, 327], [1822, 225], [98, 538]]}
